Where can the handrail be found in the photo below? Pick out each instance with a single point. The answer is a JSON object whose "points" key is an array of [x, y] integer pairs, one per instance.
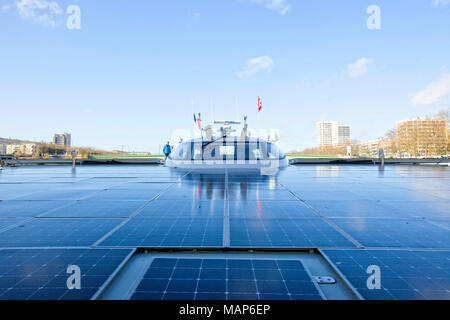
{"points": [[3, 159], [442, 159]]}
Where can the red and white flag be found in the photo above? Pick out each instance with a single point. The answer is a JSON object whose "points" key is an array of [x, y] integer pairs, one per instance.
{"points": [[199, 121], [259, 104]]}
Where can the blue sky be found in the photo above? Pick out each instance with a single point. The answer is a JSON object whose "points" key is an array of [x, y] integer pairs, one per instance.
{"points": [[127, 78]]}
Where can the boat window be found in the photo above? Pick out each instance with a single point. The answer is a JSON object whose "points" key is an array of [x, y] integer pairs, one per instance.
{"points": [[238, 151], [256, 154], [227, 151], [180, 152], [197, 152]]}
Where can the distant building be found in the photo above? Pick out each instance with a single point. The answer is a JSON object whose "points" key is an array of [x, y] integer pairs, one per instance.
{"points": [[422, 137], [3, 148], [370, 148], [330, 133], [326, 132], [343, 135], [64, 139], [26, 149]]}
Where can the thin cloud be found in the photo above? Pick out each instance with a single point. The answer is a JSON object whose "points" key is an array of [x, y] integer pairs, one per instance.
{"points": [[255, 65], [441, 2], [280, 6], [359, 67], [434, 92], [38, 11]]}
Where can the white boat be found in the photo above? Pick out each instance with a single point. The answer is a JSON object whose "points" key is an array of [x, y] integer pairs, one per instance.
{"points": [[220, 151]]}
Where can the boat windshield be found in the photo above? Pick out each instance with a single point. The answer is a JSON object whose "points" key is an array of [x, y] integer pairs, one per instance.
{"points": [[226, 150]]}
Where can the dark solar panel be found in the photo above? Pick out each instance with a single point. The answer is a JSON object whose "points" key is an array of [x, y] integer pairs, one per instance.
{"points": [[147, 186], [243, 194], [232, 279], [168, 232], [307, 195], [445, 223], [126, 194], [59, 194], [173, 208], [41, 274], [284, 233], [9, 191], [395, 233], [194, 192], [50, 232], [421, 209], [98, 209], [356, 208], [9, 222], [396, 194], [28, 208], [269, 209], [405, 274]]}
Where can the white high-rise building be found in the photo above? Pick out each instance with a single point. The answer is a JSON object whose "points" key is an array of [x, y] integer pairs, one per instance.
{"points": [[330, 133], [326, 131]]}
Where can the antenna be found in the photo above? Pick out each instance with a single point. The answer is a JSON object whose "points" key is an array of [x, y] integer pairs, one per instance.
{"points": [[212, 108], [237, 108]]}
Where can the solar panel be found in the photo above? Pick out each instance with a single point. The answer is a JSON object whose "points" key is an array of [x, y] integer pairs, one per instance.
{"points": [[445, 223], [148, 186], [396, 194], [269, 209], [254, 185], [59, 194], [126, 195], [356, 208], [173, 208], [406, 233], [9, 222], [41, 274], [97, 209], [226, 279], [43, 232], [28, 208], [243, 194], [168, 232], [9, 191], [284, 233], [203, 191], [307, 195], [421, 209], [405, 274]]}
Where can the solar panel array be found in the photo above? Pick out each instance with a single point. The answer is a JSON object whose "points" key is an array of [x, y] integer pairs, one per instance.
{"points": [[404, 274], [339, 209], [168, 232], [57, 232], [226, 279], [285, 233], [41, 274]]}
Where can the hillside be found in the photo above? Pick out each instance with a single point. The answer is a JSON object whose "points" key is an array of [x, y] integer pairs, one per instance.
{"points": [[16, 141]]}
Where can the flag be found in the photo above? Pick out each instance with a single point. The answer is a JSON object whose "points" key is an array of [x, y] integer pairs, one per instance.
{"points": [[199, 121], [195, 119], [259, 105]]}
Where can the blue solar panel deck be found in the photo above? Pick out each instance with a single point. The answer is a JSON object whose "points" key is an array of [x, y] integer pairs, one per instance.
{"points": [[41, 274], [226, 279], [398, 218], [405, 274]]}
